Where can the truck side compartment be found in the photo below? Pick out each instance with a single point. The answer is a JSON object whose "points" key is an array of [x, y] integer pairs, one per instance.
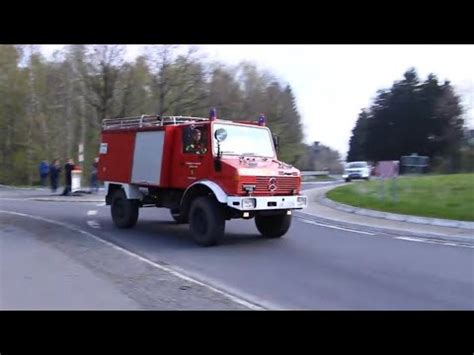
{"points": [[116, 156]]}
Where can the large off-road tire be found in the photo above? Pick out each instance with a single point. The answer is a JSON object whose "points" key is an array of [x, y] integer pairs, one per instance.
{"points": [[206, 221], [177, 216], [273, 226], [124, 211]]}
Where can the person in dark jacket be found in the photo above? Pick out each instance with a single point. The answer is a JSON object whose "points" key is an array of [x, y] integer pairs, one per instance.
{"points": [[196, 146], [54, 171], [68, 167]]}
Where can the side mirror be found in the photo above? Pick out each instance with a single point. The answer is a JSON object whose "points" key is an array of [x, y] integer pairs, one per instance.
{"points": [[220, 134], [276, 142]]}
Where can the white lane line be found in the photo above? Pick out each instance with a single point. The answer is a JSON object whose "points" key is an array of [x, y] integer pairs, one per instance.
{"points": [[91, 212], [411, 239], [141, 258], [440, 242], [100, 204], [449, 244], [93, 224], [13, 199], [334, 227], [459, 245]]}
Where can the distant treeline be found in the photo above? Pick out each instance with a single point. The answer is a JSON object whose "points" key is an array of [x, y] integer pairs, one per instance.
{"points": [[49, 106], [414, 116]]}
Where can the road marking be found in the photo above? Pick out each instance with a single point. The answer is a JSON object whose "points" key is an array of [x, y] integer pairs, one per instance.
{"points": [[450, 244], [459, 245], [13, 199], [91, 212], [93, 224], [438, 242], [100, 204], [147, 261], [50, 199], [411, 239], [334, 227]]}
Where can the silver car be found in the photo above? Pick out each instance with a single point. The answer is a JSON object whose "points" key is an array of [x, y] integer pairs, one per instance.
{"points": [[356, 170]]}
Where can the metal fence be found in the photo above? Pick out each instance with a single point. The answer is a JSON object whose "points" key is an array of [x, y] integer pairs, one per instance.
{"points": [[315, 173]]}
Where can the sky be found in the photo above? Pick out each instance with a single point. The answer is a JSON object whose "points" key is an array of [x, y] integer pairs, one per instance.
{"points": [[332, 83]]}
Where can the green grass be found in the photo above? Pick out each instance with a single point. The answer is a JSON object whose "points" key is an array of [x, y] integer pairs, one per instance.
{"points": [[438, 196]]}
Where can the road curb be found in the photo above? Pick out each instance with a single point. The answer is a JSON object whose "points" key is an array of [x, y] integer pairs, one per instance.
{"points": [[32, 188], [318, 197], [385, 230], [397, 217], [51, 199]]}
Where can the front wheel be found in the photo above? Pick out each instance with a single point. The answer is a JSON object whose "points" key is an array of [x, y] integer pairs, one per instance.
{"points": [[273, 226], [206, 221], [124, 211]]}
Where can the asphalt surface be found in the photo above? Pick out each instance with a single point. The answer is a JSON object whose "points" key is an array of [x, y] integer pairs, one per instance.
{"points": [[315, 266]]}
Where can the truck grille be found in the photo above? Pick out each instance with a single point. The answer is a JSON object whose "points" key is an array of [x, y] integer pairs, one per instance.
{"points": [[283, 185]]}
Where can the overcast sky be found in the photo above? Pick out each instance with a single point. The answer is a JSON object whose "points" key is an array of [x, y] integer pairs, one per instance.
{"points": [[332, 83]]}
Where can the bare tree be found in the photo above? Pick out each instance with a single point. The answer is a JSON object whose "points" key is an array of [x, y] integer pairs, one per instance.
{"points": [[179, 80], [100, 75]]}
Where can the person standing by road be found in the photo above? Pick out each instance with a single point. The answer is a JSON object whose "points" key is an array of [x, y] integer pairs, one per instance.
{"points": [[54, 171], [94, 181], [43, 172], [68, 167]]}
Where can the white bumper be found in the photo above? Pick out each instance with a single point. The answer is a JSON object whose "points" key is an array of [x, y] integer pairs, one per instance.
{"points": [[363, 174], [244, 203]]}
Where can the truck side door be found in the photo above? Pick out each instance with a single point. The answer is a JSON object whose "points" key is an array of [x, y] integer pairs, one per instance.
{"points": [[192, 158]]}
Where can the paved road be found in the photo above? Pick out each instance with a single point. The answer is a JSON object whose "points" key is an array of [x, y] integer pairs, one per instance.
{"points": [[312, 185], [316, 266]]}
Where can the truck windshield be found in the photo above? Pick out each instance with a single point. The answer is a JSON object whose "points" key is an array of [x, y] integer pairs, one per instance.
{"points": [[242, 140]]}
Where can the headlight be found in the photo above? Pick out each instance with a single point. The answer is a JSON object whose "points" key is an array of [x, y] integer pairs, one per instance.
{"points": [[301, 201], [248, 203]]}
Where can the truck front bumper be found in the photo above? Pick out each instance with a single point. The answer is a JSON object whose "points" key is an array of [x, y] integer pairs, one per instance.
{"points": [[259, 203]]}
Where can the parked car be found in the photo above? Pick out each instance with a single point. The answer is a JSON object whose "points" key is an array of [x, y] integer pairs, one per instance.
{"points": [[357, 170]]}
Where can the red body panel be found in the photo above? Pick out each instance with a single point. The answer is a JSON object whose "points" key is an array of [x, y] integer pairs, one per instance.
{"points": [[116, 165]]}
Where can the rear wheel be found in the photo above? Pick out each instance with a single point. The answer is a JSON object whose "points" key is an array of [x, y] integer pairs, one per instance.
{"points": [[124, 211], [206, 221], [273, 226], [348, 180]]}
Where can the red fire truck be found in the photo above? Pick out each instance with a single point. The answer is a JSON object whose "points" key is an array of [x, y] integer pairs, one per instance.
{"points": [[205, 170]]}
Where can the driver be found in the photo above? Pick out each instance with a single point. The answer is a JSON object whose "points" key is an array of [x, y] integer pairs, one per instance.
{"points": [[196, 146]]}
